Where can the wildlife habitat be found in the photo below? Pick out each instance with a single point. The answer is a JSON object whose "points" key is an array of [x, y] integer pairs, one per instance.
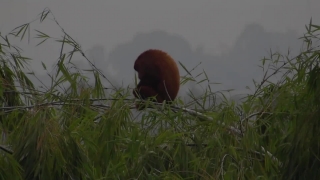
{"points": [[76, 130]]}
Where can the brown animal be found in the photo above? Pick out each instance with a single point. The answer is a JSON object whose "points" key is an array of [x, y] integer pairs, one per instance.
{"points": [[159, 76]]}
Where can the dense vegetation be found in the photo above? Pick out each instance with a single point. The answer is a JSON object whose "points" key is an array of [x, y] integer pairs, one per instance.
{"points": [[74, 130]]}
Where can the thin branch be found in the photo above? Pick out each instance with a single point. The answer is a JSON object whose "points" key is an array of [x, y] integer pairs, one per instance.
{"points": [[69, 102], [5, 149], [204, 117], [58, 103], [201, 116]]}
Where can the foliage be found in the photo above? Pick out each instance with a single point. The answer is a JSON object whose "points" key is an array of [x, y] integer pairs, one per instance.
{"points": [[74, 130]]}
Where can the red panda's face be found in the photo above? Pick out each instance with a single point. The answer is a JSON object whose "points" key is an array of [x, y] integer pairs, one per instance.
{"points": [[140, 75], [139, 70]]}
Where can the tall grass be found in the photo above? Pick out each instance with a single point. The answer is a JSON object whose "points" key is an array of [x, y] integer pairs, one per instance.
{"points": [[76, 130]]}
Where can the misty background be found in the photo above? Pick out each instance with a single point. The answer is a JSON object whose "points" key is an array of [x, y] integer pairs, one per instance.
{"points": [[227, 38]]}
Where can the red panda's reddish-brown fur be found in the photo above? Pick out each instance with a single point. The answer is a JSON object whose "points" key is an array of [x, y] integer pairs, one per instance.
{"points": [[159, 76]]}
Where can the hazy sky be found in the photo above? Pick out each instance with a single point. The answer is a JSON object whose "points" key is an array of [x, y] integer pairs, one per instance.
{"points": [[215, 25], [202, 22]]}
